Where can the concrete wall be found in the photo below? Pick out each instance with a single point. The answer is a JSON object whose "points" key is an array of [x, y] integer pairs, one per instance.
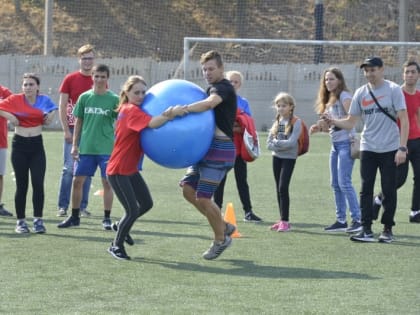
{"points": [[262, 81]]}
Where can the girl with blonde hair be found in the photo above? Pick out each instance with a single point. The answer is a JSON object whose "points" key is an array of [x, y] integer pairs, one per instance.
{"points": [[283, 142]]}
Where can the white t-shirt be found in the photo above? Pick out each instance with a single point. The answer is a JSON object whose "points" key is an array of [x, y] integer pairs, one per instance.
{"points": [[337, 111]]}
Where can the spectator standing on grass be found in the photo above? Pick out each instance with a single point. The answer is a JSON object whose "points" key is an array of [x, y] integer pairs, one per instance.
{"points": [[382, 145], [93, 140], [202, 179], [283, 142], [240, 167], [4, 93], [411, 72], [28, 112], [122, 170], [73, 85], [334, 100]]}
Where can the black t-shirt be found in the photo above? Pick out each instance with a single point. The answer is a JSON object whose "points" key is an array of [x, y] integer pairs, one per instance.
{"points": [[225, 112]]}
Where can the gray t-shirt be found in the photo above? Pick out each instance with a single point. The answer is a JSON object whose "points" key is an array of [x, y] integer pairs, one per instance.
{"points": [[337, 111], [380, 134], [285, 146]]}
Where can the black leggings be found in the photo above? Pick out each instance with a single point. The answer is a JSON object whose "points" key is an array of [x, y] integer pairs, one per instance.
{"points": [[132, 192], [283, 170], [28, 155]]}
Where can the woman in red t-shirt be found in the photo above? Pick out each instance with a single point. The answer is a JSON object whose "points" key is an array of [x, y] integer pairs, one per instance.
{"points": [[28, 111], [122, 170]]}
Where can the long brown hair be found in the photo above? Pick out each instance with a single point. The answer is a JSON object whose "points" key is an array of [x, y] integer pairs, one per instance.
{"points": [[127, 86], [326, 97]]}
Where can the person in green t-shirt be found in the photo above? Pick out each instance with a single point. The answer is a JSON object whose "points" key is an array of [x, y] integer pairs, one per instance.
{"points": [[93, 140]]}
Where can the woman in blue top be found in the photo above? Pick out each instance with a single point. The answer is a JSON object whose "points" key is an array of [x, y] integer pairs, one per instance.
{"points": [[334, 99]]}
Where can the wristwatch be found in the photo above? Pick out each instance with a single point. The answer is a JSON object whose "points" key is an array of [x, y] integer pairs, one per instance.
{"points": [[402, 149]]}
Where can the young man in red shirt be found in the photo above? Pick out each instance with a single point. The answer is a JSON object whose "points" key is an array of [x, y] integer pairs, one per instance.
{"points": [[73, 85]]}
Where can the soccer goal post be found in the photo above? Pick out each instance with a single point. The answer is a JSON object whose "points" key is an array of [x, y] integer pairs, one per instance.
{"points": [[270, 66]]}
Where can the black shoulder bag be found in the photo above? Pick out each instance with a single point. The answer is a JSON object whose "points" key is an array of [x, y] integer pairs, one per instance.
{"points": [[380, 107]]}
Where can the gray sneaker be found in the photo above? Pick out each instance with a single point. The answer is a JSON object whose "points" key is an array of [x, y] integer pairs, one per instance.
{"points": [[230, 229], [217, 248], [21, 227]]}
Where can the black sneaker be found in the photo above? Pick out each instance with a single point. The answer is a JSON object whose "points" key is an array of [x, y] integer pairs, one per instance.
{"points": [[363, 236], [415, 218], [128, 238], [337, 227], [354, 227], [251, 217], [69, 222], [376, 207], [118, 252], [4, 211], [107, 224], [386, 236]]}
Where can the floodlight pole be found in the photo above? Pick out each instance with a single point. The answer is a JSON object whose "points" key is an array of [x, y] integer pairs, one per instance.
{"points": [[48, 26], [403, 28], [319, 30]]}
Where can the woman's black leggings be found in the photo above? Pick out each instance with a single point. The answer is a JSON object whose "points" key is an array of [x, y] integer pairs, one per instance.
{"points": [[28, 155], [134, 195]]}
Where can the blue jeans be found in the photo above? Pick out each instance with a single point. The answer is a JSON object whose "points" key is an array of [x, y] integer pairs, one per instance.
{"points": [[67, 179], [341, 168]]}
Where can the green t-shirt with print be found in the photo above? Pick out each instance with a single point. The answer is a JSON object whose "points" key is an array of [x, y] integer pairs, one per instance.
{"points": [[98, 114]]}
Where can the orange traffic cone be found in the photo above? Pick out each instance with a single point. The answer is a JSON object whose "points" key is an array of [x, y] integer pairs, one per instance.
{"points": [[230, 218]]}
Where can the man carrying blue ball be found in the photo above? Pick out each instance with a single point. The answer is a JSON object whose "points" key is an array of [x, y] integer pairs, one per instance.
{"points": [[202, 179]]}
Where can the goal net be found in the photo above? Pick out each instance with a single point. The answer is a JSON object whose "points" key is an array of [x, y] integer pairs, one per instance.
{"points": [[293, 66]]}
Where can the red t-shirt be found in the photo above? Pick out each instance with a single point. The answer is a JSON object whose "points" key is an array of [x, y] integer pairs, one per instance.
{"points": [[127, 151], [4, 93], [413, 106], [74, 84], [28, 115]]}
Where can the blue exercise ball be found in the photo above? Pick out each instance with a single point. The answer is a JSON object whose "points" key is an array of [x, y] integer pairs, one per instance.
{"points": [[182, 141]]}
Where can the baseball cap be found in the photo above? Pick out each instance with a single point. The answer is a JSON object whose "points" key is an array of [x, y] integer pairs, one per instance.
{"points": [[372, 62]]}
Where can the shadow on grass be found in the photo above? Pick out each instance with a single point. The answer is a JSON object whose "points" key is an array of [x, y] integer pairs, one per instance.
{"points": [[170, 222], [248, 268]]}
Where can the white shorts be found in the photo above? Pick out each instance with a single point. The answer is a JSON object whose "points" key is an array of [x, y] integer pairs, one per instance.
{"points": [[3, 157]]}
